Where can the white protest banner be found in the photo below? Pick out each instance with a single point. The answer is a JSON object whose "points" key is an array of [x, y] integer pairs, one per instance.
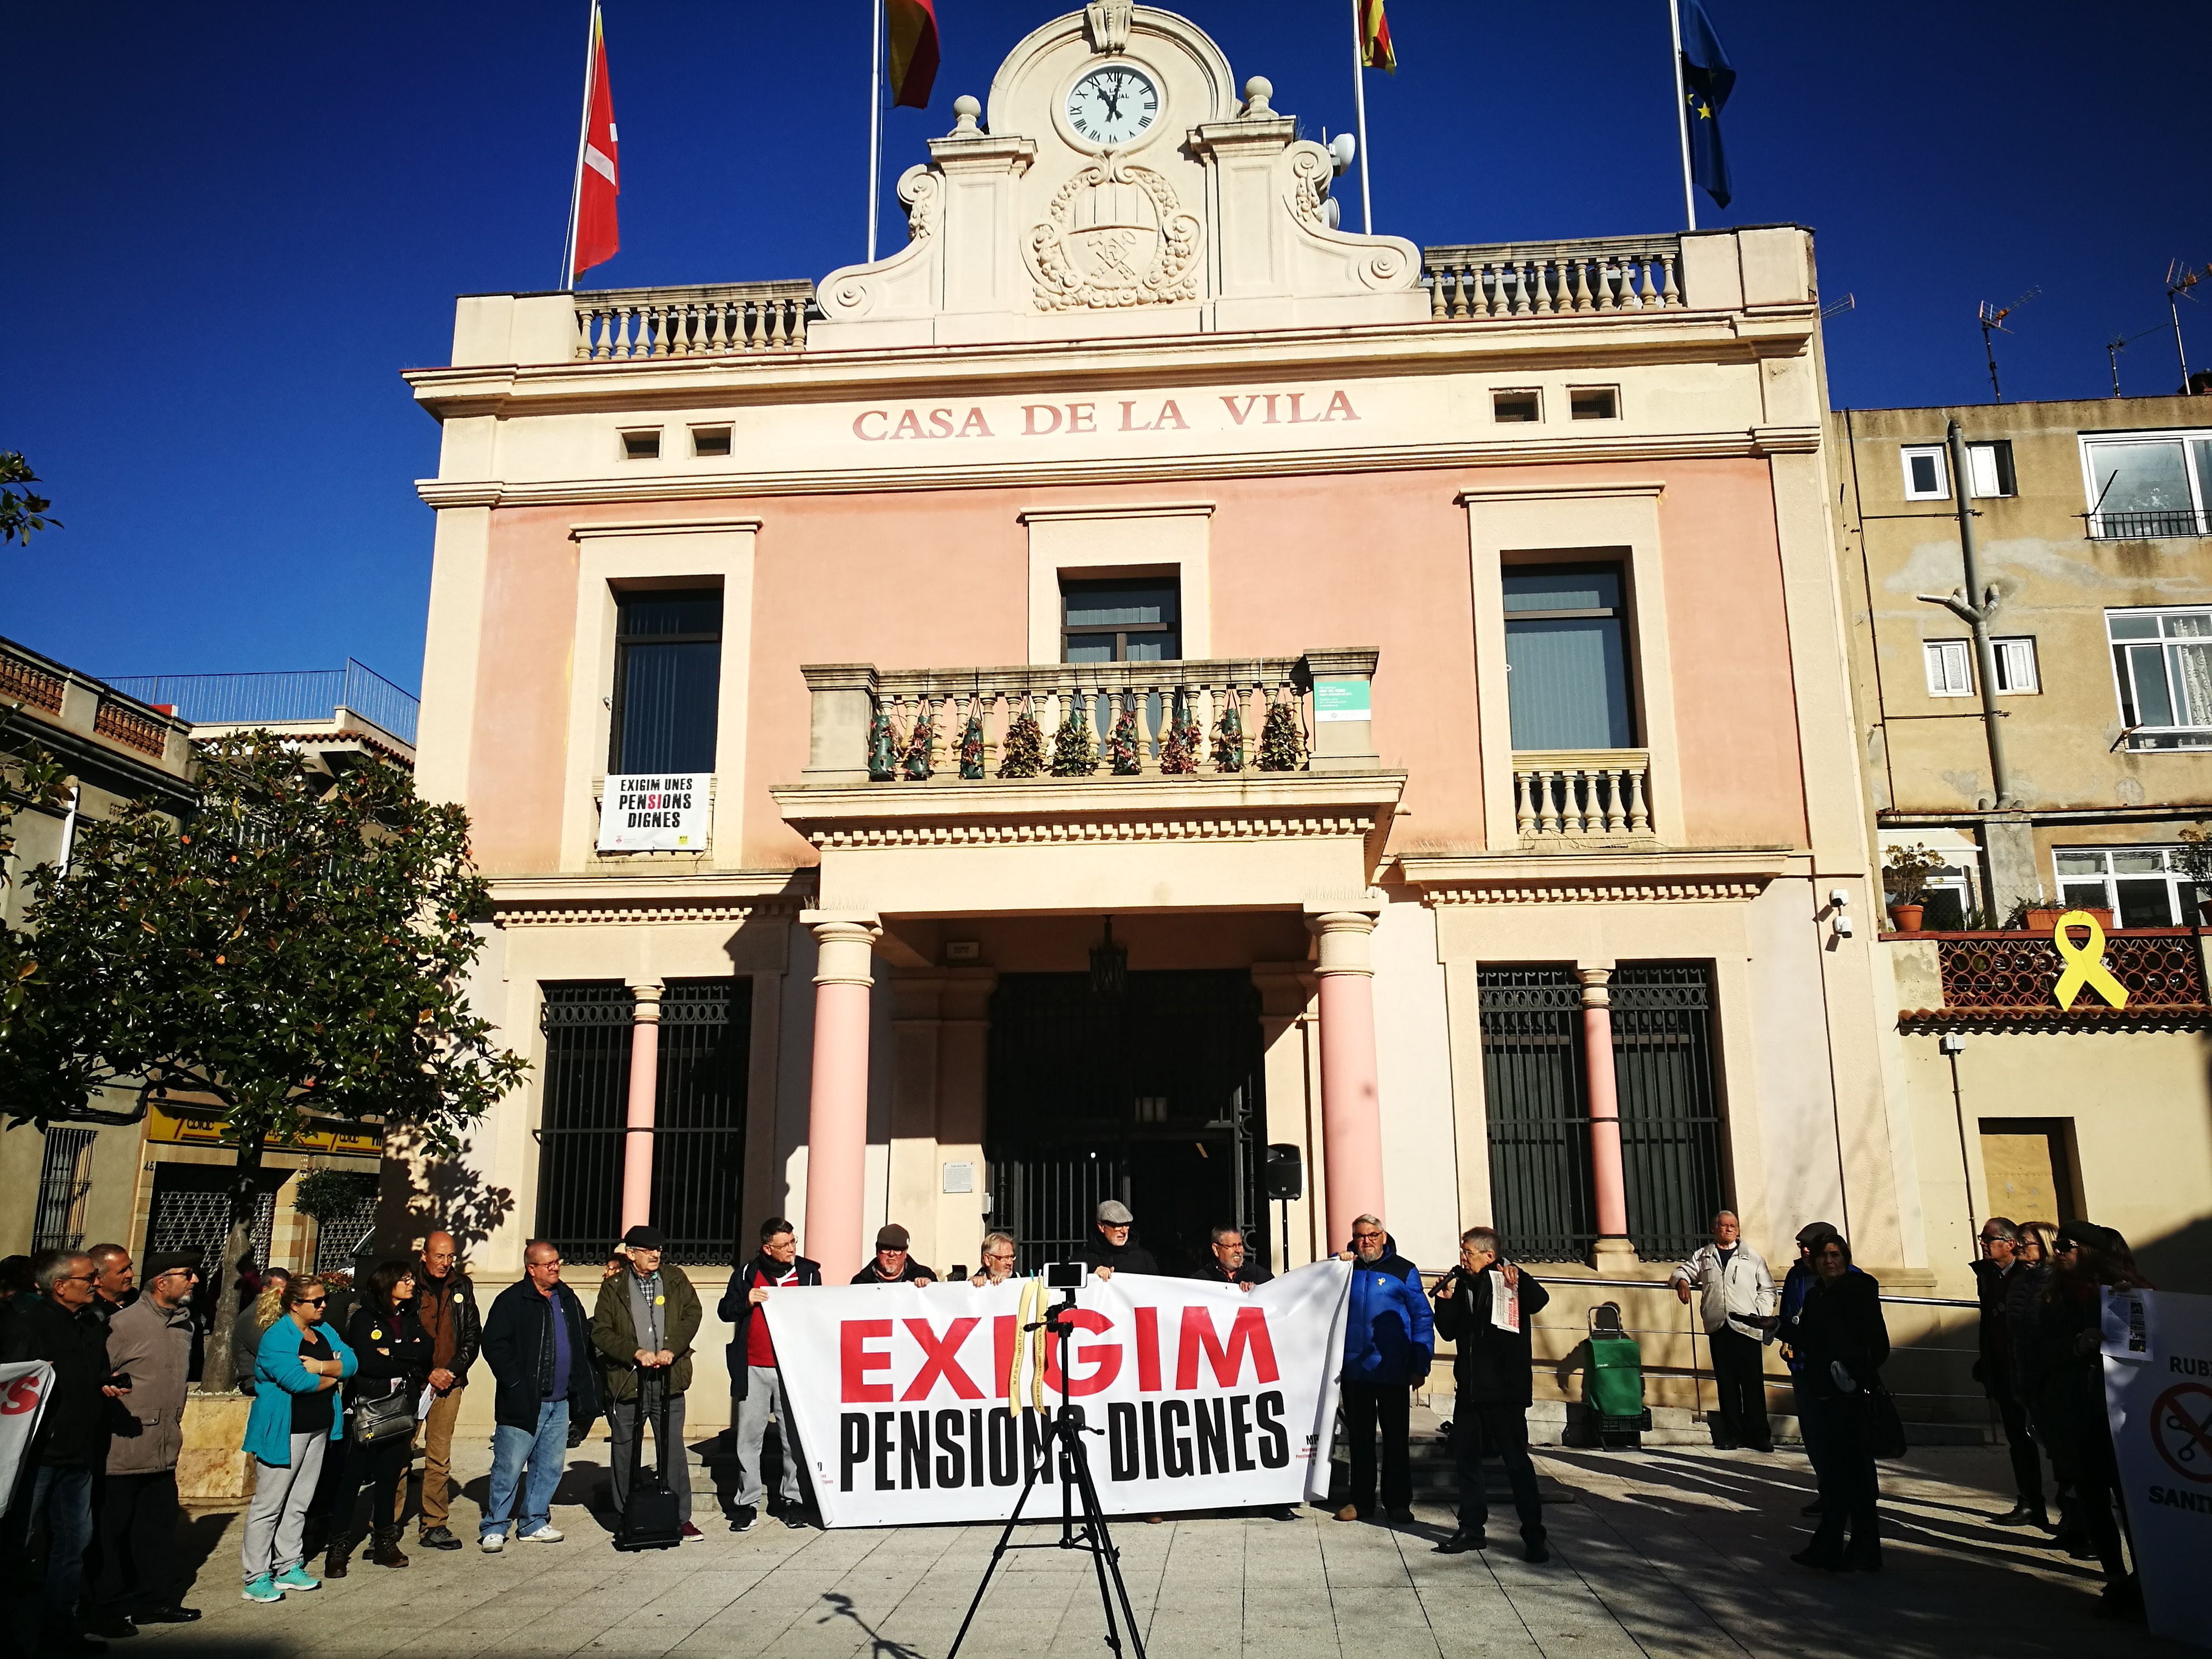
{"points": [[1209, 1396], [24, 1389], [648, 812], [2157, 1389]]}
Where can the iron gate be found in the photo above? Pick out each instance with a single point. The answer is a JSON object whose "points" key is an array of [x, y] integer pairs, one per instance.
{"points": [[1153, 1096], [191, 1212], [1670, 1116], [1533, 1089]]}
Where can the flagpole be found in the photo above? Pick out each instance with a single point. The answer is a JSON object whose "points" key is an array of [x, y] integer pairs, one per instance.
{"points": [[1360, 109], [1682, 111], [875, 124], [583, 137]]}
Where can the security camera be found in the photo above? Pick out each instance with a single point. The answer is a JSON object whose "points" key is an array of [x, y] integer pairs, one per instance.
{"points": [[1843, 926], [1838, 897]]}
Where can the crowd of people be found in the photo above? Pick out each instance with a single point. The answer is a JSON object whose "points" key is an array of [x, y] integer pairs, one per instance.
{"points": [[346, 1383]]}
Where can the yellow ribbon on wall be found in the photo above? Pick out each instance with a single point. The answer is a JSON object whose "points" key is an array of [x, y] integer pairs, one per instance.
{"points": [[2084, 963]]}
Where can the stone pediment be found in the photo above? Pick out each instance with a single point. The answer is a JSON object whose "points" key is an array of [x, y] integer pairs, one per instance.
{"points": [[1118, 184]]}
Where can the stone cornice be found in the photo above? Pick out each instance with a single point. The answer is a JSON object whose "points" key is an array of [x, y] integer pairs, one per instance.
{"points": [[1639, 878], [555, 901], [819, 481]]}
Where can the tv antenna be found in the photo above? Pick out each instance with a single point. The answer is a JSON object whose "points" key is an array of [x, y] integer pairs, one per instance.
{"points": [[2179, 280], [1992, 321], [1849, 302], [2115, 346]]}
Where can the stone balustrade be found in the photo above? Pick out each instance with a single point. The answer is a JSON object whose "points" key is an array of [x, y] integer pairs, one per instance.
{"points": [[728, 319], [1553, 279], [1584, 793], [1234, 717]]}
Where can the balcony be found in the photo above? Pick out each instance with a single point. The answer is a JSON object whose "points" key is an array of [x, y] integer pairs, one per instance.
{"points": [[729, 319], [319, 696], [2008, 980], [1596, 794], [1589, 276], [2148, 526]]}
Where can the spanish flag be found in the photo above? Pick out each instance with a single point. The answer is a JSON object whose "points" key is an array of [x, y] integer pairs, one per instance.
{"points": [[1374, 38], [911, 26]]}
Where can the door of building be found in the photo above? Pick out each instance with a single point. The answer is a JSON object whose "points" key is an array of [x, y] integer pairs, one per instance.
{"points": [[1153, 1096]]}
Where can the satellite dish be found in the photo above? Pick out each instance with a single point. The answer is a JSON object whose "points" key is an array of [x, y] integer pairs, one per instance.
{"points": [[1342, 150], [1331, 214]]}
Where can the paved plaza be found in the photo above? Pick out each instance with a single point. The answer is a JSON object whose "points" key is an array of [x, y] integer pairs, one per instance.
{"points": [[1672, 1552]]}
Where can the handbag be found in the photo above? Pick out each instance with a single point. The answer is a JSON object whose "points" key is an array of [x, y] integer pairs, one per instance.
{"points": [[381, 1418], [1885, 1429]]}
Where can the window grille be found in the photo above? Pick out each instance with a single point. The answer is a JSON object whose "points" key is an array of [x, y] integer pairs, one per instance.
{"points": [[191, 1212], [337, 1236], [64, 1188], [587, 1026], [1670, 1118], [1532, 1089]]}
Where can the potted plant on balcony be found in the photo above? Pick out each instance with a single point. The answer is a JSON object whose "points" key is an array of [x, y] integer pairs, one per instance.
{"points": [[1906, 872]]}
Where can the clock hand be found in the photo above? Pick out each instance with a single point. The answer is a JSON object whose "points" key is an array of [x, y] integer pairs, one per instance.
{"points": [[1113, 98]]}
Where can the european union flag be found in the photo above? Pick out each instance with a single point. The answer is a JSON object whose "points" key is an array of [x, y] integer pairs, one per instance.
{"points": [[1707, 79]]}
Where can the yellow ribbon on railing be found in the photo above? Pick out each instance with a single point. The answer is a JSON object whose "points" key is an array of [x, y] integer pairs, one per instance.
{"points": [[2084, 963]]}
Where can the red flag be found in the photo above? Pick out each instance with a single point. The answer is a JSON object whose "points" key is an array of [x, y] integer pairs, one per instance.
{"points": [[913, 25], [598, 183]]}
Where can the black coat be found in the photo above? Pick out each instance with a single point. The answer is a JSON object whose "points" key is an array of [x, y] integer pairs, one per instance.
{"points": [[1131, 1258], [1489, 1367], [392, 1348], [1993, 1288], [518, 1345], [912, 1273], [1841, 1324], [468, 1324], [73, 1433], [737, 1308], [1250, 1274]]}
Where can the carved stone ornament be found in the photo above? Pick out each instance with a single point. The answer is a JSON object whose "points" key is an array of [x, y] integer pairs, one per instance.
{"points": [[1107, 22], [1116, 236]]}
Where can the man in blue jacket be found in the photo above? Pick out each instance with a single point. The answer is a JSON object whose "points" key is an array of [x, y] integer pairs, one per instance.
{"points": [[1388, 1344]]}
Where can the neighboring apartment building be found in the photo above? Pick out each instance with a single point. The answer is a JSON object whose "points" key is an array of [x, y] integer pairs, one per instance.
{"points": [[160, 1179], [1441, 739], [2094, 527]]}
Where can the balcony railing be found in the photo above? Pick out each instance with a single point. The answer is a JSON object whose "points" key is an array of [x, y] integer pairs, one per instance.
{"points": [[726, 320], [1232, 717], [1554, 279], [1582, 793], [2011, 978], [287, 695], [23, 681], [2144, 526]]}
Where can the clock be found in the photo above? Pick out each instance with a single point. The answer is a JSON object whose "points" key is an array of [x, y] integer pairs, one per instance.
{"points": [[1113, 105]]}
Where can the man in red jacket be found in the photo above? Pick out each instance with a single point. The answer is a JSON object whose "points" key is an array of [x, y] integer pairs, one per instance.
{"points": [[755, 1385]]}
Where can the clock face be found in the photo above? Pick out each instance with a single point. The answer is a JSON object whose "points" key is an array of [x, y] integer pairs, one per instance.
{"points": [[1112, 105]]}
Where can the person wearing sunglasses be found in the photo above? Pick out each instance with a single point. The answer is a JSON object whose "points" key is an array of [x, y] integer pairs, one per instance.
{"points": [[296, 1372], [140, 1580], [56, 1483]]}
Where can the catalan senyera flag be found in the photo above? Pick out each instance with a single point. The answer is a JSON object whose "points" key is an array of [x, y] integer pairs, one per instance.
{"points": [[911, 32], [1375, 51], [597, 178]]}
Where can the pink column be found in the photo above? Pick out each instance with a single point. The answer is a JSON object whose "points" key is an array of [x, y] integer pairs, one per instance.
{"points": [[838, 1111], [1350, 1106], [644, 1095], [1609, 1181]]}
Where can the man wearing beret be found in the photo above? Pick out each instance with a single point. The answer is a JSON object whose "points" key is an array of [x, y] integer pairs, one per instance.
{"points": [[892, 1264], [643, 1327]]}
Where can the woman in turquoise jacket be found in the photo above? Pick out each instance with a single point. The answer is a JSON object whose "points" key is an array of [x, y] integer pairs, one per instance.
{"points": [[295, 1416]]}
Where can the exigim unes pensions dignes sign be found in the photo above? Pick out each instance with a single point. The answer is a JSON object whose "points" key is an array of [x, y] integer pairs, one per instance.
{"points": [[655, 812]]}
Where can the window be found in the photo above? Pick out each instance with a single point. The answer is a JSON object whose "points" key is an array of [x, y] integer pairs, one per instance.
{"points": [[1593, 402], [1950, 667], [1566, 658], [2148, 484], [2015, 660], [2142, 886], [2162, 665], [643, 444], [710, 440], [65, 1187], [1136, 619], [1991, 467], [668, 671], [1508, 407], [1926, 473]]}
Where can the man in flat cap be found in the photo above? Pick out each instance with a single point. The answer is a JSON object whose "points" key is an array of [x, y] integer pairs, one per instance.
{"points": [[1113, 1249], [141, 1582], [643, 1327], [893, 1263]]}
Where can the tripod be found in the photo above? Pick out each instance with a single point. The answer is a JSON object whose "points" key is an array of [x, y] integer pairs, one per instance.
{"points": [[1064, 1432]]}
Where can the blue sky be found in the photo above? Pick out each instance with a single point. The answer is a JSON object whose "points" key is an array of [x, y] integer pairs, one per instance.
{"points": [[231, 230]]}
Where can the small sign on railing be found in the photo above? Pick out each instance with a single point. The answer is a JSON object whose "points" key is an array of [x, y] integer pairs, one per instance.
{"points": [[1343, 700], [655, 812]]}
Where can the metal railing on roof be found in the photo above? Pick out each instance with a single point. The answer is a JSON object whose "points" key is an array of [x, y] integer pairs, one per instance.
{"points": [[304, 694]]}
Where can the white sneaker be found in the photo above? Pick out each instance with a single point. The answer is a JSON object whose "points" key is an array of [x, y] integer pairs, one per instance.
{"points": [[492, 1542], [547, 1533]]}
